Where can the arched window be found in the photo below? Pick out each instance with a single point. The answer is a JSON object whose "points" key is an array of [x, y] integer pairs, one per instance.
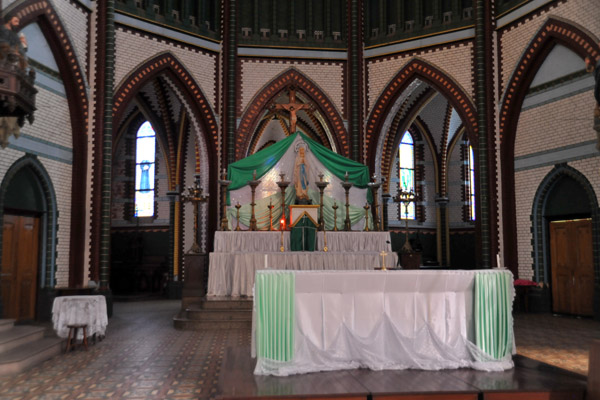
{"points": [[406, 157], [471, 185], [145, 156]]}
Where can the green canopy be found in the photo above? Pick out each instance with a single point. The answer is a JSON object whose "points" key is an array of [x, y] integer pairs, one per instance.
{"points": [[240, 172]]}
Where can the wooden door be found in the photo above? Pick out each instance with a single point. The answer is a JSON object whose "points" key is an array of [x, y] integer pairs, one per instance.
{"points": [[20, 241], [572, 267]]}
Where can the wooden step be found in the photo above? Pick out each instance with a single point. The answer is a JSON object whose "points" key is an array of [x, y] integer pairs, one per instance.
{"points": [[28, 355], [6, 324], [200, 314], [221, 303], [18, 336]]}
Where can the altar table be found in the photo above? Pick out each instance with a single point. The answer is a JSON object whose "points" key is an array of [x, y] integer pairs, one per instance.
{"points": [[308, 321], [80, 310], [238, 255]]}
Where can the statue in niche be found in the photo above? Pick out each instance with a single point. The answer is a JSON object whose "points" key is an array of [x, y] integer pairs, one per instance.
{"points": [[301, 177]]}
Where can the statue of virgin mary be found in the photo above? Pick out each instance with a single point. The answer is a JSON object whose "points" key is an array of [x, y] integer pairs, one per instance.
{"points": [[301, 177]]}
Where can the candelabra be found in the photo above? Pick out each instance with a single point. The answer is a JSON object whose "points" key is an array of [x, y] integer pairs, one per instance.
{"points": [[347, 185], [195, 196], [377, 226], [224, 184], [406, 197], [253, 184], [321, 185], [283, 184], [366, 207], [335, 207]]}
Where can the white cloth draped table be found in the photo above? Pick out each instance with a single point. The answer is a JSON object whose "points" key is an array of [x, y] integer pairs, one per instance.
{"points": [[308, 321], [80, 310], [257, 241], [238, 255]]}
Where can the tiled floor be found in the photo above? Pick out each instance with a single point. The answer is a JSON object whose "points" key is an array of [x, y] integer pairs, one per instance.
{"points": [[143, 357]]}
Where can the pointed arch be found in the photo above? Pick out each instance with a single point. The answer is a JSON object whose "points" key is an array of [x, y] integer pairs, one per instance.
{"points": [[554, 31], [443, 83], [271, 90], [31, 162], [43, 13], [539, 228]]}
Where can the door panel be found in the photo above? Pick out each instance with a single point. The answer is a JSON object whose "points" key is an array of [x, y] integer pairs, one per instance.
{"points": [[20, 262], [572, 267]]}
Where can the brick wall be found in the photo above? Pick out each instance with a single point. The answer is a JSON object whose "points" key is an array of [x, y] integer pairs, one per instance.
{"points": [[52, 124], [75, 21], [258, 73], [456, 180], [515, 39], [133, 49], [454, 60]]}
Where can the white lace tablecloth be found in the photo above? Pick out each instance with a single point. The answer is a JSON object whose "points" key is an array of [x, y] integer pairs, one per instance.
{"points": [[232, 274], [80, 310], [264, 241]]}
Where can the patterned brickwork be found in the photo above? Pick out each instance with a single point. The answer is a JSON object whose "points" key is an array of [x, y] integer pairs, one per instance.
{"points": [[133, 48], [256, 74], [454, 60], [560, 123], [420, 69], [75, 20], [456, 169], [528, 182], [517, 37]]}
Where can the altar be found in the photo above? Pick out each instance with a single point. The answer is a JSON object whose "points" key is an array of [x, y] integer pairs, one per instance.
{"points": [[238, 255], [309, 321]]}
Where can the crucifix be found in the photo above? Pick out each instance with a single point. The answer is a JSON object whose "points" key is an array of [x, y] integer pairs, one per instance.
{"points": [[293, 107]]}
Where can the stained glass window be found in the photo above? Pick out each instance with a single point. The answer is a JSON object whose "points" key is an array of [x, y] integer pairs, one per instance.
{"points": [[145, 156], [471, 186], [406, 157]]}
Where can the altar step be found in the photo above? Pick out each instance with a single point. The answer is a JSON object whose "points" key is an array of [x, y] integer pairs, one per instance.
{"points": [[24, 346], [214, 313]]}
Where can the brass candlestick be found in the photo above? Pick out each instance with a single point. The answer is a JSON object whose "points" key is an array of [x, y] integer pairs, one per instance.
{"points": [[406, 197], [270, 207], [347, 185], [237, 216], [195, 196], [366, 207], [253, 184], [224, 184], [283, 184], [321, 185], [383, 254], [377, 226], [335, 207]]}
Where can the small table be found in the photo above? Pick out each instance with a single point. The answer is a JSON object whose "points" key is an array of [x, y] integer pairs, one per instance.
{"points": [[80, 310]]}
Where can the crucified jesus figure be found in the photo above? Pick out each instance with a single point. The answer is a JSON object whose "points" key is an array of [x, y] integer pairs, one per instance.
{"points": [[292, 107]]}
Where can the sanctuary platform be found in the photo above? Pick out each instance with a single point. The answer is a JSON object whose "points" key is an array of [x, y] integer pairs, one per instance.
{"points": [[528, 380], [238, 255]]}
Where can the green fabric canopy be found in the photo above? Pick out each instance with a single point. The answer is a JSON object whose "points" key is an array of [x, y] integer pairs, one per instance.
{"points": [[240, 172]]}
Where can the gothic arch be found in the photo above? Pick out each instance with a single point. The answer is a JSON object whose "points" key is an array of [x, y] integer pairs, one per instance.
{"points": [[539, 228], [554, 31], [417, 68], [42, 13], [271, 90], [47, 269]]}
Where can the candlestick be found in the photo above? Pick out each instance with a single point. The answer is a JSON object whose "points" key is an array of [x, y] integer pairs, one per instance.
{"points": [[383, 254], [325, 249], [321, 185], [195, 196], [237, 216], [283, 184], [366, 207], [347, 185], [335, 207], [224, 184], [253, 184], [270, 207]]}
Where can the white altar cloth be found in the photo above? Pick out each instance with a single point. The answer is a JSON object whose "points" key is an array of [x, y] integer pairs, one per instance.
{"points": [[328, 320], [232, 274], [257, 241], [80, 310]]}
